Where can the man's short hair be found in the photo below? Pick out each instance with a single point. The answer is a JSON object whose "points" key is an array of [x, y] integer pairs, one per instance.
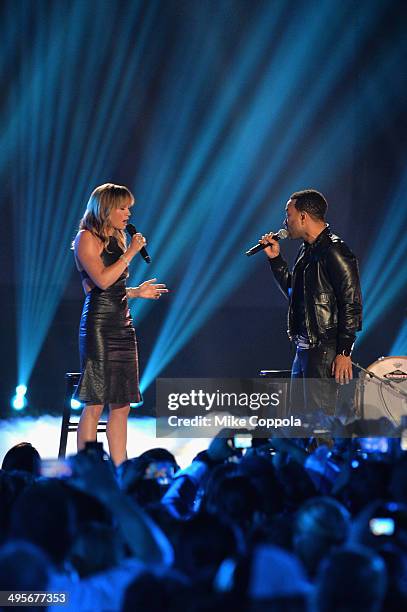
{"points": [[312, 202]]}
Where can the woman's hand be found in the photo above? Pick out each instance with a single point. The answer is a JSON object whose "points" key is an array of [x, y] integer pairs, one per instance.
{"points": [[137, 243], [149, 290]]}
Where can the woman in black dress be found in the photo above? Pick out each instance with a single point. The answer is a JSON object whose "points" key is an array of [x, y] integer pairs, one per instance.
{"points": [[107, 341]]}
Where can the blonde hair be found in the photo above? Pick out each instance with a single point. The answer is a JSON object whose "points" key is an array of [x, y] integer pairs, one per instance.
{"points": [[102, 201]]}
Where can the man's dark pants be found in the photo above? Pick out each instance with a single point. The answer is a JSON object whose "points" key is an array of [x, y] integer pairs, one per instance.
{"points": [[313, 388]]}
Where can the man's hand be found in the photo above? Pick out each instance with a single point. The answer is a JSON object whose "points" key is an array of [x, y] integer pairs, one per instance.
{"points": [[220, 447], [94, 475], [342, 369], [274, 249]]}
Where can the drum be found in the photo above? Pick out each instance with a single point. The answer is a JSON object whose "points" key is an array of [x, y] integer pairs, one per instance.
{"points": [[374, 399]]}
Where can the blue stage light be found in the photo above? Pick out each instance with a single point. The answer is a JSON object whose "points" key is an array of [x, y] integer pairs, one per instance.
{"points": [[62, 147], [381, 290], [400, 343], [19, 401], [21, 390], [225, 134], [75, 405], [224, 206]]}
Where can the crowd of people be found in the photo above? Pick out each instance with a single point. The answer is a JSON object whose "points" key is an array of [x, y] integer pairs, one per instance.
{"points": [[287, 524]]}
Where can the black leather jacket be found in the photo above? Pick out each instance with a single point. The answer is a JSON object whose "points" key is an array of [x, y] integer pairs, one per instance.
{"points": [[332, 295]]}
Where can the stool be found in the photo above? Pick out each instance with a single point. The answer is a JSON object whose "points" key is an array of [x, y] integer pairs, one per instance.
{"points": [[275, 373], [283, 410], [67, 426]]}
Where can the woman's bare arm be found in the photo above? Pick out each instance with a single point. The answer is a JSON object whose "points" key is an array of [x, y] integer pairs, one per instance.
{"points": [[88, 250]]}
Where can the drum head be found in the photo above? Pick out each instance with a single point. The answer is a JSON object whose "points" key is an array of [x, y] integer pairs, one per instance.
{"points": [[392, 368], [374, 399]]}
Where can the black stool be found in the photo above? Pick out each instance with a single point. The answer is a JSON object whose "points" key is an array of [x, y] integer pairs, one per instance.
{"points": [[283, 411], [275, 373], [67, 426]]}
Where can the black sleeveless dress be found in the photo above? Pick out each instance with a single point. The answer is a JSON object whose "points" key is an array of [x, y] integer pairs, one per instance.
{"points": [[107, 342]]}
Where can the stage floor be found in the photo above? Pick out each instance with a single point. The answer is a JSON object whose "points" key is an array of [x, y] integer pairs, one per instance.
{"points": [[44, 433]]}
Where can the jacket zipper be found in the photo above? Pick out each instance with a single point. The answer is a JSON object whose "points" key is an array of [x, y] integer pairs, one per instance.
{"points": [[306, 309]]}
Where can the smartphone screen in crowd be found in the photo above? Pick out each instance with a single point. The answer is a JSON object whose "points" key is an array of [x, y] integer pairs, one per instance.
{"points": [[242, 440], [55, 468], [161, 471], [382, 526]]}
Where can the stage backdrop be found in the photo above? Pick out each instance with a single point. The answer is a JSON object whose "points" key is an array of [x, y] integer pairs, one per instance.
{"points": [[212, 112]]}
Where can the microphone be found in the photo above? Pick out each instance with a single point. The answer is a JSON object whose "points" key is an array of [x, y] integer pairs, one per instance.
{"points": [[280, 235], [143, 251]]}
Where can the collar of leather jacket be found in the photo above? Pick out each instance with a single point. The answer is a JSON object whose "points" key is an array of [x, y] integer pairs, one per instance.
{"points": [[316, 248], [322, 238]]}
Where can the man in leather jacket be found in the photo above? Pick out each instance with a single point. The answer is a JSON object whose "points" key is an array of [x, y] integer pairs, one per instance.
{"points": [[323, 289]]}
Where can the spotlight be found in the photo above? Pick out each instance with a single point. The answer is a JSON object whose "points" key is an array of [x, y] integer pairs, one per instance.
{"points": [[75, 405], [137, 405], [19, 400]]}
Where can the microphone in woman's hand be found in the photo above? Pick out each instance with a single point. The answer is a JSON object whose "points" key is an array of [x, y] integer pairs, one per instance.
{"points": [[143, 251]]}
